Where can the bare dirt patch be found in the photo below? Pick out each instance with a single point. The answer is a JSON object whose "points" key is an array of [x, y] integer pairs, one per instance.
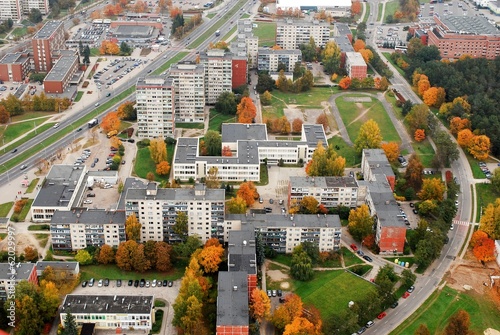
{"points": [[277, 275]]}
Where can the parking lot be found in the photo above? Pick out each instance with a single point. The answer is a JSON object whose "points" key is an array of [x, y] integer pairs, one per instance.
{"points": [[111, 73], [391, 35]]}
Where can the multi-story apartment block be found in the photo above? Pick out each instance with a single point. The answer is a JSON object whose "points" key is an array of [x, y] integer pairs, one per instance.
{"points": [[112, 312], [355, 65], [10, 276], [61, 75], [329, 191], [250, 147], [189, 83], [232, 304], [10, 9], [283, 233], [291, 34], [155, 98], [41, 5], [342, 29], [455, 36], [157, 209], [269, 59], [58, 192], [241, 255], [218, 73], [15, 67], [49, 38], [246, 43], [376, 167], [78, 229]]}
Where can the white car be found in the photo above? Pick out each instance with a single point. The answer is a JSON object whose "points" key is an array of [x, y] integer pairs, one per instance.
{"points": [[88, 201], [56, 125]]}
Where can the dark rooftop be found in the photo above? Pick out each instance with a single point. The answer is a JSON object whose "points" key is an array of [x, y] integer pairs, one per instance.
{"points": [[475, 25], [22, 271], [108, 304], [232, 299], [278, 220], [241, 251], [322, 182], [14, 58], [56, 265], [61, 68], [177, 194], [48, 29], [92, 216]]}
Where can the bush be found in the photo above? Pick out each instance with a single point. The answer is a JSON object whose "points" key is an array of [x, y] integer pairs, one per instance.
{"points": [[143, 143]]}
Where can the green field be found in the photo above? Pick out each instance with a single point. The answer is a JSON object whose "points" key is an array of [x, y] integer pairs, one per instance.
{"points": [[390, 9], [217, 119], [5, 209], [425, 151], [187, 125], [354, 115], [436, 311], [345, 150], [367, 12], [171, 61], [320, 293], [229, 34], [13, 131], [113, 272], [20, 31], [79, 95], [379, 15], [32, 185], [266, 32], [485, 196], [285, 259], [350, 258], [144, 164]]}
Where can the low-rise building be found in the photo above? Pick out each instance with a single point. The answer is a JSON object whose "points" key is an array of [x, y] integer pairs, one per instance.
{"points": [[329, 191], [232, 304], [15, 67], [72, 269], [11, 275], [355, 65], [241, 255], [112, 312], [61, 75], [270, 59]]}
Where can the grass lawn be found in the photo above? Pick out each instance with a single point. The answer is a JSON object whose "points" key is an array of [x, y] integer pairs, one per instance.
{"points": [[312, 97], [320, 293], [425, 151], [187, 125], [367, 12], [94, 52], [485, 196], [42, 239], [32, 185], [353, 117], [474, 165], [172, 60], [5, 209], [441, 305], [285, 259], [25, 210], [350, 258], [387, 55], [210, 15], [266, 32], [79, 95], [217, 119], [379, 15], [264, 176], [113, 272], [159, 303], [390, 9], [15, 130], [345, 150], [229, 34], [31, 115], [144, 164], [20, 31], [39, 227]]}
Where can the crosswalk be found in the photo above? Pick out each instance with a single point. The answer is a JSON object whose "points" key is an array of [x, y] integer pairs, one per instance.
{"points": [[462, 223]]}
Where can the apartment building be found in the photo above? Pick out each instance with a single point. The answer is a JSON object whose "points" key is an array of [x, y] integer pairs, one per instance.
{"points": [[80, 228], [189, 84], [355, 65], [60, 191], [61, 75], [41, 5], [218, 73], [11, 275], [283, 233], [342, 29], [241, 255], [157, 209], [269, 59], [250, 147], [155, 103], [10, 9], [455, 36], [329, 191], [376, 168], [291, 34], [246, 44], [49, 38], [232, 304], [111, 312], [15, 67]]}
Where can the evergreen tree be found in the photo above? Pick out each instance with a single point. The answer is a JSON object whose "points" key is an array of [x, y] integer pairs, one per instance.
{"points": [[70, 325]]}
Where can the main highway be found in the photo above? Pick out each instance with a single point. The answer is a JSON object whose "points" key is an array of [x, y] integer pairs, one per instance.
{"points": [[226, 15]]}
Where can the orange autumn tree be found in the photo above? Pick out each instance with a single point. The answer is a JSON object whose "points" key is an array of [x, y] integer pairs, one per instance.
{"points": [[391, 150], [211, 256], [163, 168], [260, 305], [434, 96], [355, 8], [419, 135], [248, 192], [109, 48], [345, 83], [287, 312], [358, 45], [226, 151], [484, 248], [174, 11], [457, 124], [464, 137], [301, 326], [110, 122], [479, 147], [297, 126], [246, 110], [423, 84], [366, 54]]}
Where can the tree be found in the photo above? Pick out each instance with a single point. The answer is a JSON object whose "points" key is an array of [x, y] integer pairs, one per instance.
{"points": [[422, 330], [265, 83], [408, 278], [459, 324], [325, 162], [331, 57], [345, 83], [432, 189], [236, 206], [323, 120], [70, 327], [158, 150], [35, 16], [301, 326], [414, 171], [139, 260], [428, 249], [287, 312], [4, 115], [266, 98], [369, 136], [418, 117], [124, 255], [150, 176], [447, 150], [434, 97], [226, 151], [297, 126], [13, 105], [210, 258], [423, 85], [301, 265], [355, 8], [260, 305], [30, 254], [126, 111], [163, 252], [464, 138], [484, 249], [125, 49], [106, 255], [360, 222], [367, 57], [248, 192], [479, 147], [110, 122], [495, 180], [187, 248], [246, 110], [309, 205], [226, 103], [133, 228], [163, 168], [213, 143], [212, 179], [181, 225], [83, 257], [109, 48], [358, 45], [391, 150], [490, 221], [419, 135]]}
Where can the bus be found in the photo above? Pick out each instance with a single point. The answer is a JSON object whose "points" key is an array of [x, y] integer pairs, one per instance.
{"points": [[92, 123]]}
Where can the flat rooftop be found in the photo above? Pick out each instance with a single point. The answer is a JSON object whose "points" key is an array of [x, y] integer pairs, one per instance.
{"points": [[343, 43], [278, 220], [13, 58], [232, 132], [56, 265], [22, 271], [476, 25], [61, 68], [59, 186], [314, 3], [204, 193], [47, 30], [186, 150], [267, 51], [355, 58], [386, 207], [342, 29], [322, 182], [232, 299], [108, 304], [379, 165], [154, 81], [241, 251], [90, 216], [134, 31]]}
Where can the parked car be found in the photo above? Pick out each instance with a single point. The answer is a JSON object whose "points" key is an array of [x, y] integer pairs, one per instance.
{"points": [[368, 258], [280, 293], [106, 282], [84, 283], [91, 195], [411, 289], [361, 330], [99, 284], [170, 283], [87, 202], [130, 282], [394, 305], [406, 295], [269, 293], [361, 253], [148, 283], [142, 283], [165, 283], [91, 282], [382, 315], [354, 247], [153, 283], [369, 324], [136, 283], [274, 293], [24, 167]]}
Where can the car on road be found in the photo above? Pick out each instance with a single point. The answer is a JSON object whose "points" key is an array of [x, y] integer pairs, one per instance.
{"points": [[108, 95], [369, 324], [382, 315], [368, 258], [14, 151], [24, 167], [97, 104], [87, 202], [79, 129], [361, 253], [394, 305], [411, 289], [130, 282], [84, 283], [123, 162], [354, 247], [56, 125]]}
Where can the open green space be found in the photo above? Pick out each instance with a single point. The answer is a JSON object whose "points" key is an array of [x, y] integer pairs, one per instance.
{"points": [[485, 196], [20, 31], [210, 15], [5, 208], [355, 114], [79, 95], [42, 239], [266, 32], [217, 119], [345, 150], [367, 12], [38, 227], [264, 176], [229, 34], [160, 303], [285, 259], [144, 164], [24, 212], [350, 258], [172, 60], [320, 293], [32, 185], [424, 151], [442, 304], [387, 55], [14, 130], [379, 15], [31, 115], [113, 272], [390, 9], [188, 125]]}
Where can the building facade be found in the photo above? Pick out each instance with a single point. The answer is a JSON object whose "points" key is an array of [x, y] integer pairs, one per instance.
{"points": [[239, 70], [78, 229], [61, 74], [246, 44], [49, 38], [15, 67], [155, 100], [41, 5], [329, 191], [355, 65], [218, 73], [189, 83], [269, 59], [10, 9], [291, 34], [10, 276]]}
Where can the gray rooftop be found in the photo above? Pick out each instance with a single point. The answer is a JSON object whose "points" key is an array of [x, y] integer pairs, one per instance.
{"points": [[134, 31], [286, 221], [232, 299], [342, 29], [313, 134], [154, 81], [130, 183], [186, 150], [268, 51], [379, 165], [58, 187], [232, 132], [475, 25], [135, 194], [14, 58], [98, 216], [344, 43], [322, 182], [386, 207], [108, 304], [56, 265], [302, 23], [61, 68], [48, 29], [22, 271], [241, 251], [187, 66], [355, 58]]}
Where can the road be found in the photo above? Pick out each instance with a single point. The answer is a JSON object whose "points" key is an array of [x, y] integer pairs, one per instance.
{"points": [[431, 279], [70, 120]]}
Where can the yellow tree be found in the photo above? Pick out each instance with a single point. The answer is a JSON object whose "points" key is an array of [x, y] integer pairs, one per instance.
{"points": [[158, 150], [434, 97], [132, 228], [260, 305], [210, 258], [479, 147], [490, 221], [464, 137], [391, 150], [236, 205], [423, 84], [331, 57], [110, 122], [301, 326], [309, 205], [248, 192], [369, 136], [115, 142], [246, 110], [360, 222], [367, 55], [287, 312], [457, 124], [325, 162], [432, 189]]}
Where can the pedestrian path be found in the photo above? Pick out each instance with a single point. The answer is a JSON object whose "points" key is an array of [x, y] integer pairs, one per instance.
{"points": [[463, 223]]}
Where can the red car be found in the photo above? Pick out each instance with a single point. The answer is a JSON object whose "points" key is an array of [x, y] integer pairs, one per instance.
{"points": [[381, 315], [354, 247], [406, 295]]}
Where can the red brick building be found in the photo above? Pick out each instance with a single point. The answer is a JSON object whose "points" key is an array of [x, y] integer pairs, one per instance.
{"points": [[355, 65], [45, 41], [59, 77], [239, 68], [15, 67], [455, 36]]}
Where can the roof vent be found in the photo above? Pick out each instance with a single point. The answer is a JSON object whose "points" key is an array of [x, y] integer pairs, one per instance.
{"points": [[248, 126], [235, 288], [244, 242]]}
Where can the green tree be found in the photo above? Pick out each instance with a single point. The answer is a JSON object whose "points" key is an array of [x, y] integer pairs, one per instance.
{"points": [[213, 143], [312, 250], [360, 223], [386, 279], [309, 52], [226, 103], [447, 150], [331, 57], [408, 278], [264, 83], [236, 205], [181, 225], [495, 181], [428, 249], [125, 49], [345, 322], [133, 228], [13, 105], [83, 257], [70, 327], [301, 265], [177, 22], [35, 16], [266, 98], [418, 117], [369, 136], [187, 248], [325, 162], [86, 55]]}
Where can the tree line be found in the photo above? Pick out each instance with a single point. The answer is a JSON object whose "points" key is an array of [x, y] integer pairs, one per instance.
{"points": [[12, 105]]}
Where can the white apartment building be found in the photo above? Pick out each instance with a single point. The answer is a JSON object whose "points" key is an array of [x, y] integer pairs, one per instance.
{"points": [[285, 232], [157, 208], [79, 228], [269, 59], [246, 43], [155, 100], [291, 34], [329, 191], [10, 9], [250, 147], [218, 73], [189, 82], [41, 5], [112, 312]]}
